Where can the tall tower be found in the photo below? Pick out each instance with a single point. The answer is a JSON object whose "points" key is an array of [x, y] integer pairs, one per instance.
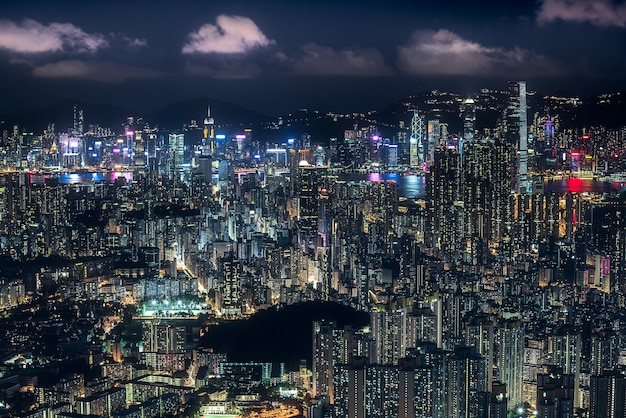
{"points": [[468, 111], [566, 350], [467, 381], [323, 365], [209, 131], [523, 183], [434, 138], [510, 342], [607, 395], [176, 150], [416, 150]]}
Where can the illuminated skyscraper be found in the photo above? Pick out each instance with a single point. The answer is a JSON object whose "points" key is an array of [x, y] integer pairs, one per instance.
{"points": [[480, 335], [476, 189], [446, 209], [434, 138], [177, 148], [510, 342], [468, 114], [566, 351], [416, 144], [467, 383], [389, 333], [308, 193], [381, 391], [323, 365], [350, 396], [518, 132], [231, 294], [604, 351], [209, 132]]}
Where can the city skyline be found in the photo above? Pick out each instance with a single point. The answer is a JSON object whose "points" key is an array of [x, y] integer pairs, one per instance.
{"points": [[259, 236], [280, 56]]}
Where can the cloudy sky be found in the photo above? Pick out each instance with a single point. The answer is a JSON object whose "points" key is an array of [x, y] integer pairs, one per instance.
{"points": [[279, 55]]}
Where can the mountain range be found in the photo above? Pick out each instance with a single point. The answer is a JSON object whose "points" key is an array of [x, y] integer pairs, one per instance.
{"points": [[606, 110]]}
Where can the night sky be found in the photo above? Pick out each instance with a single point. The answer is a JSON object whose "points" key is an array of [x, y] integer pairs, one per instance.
{"points": [[278, 56]]}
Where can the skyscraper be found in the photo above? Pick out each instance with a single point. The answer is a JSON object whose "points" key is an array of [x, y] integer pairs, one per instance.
{"points": [[566, 350], [323, 364], [467, 383], [607, 394], [518, 132], [468, 114], [177, 149], [389, 332], [510, 341]]}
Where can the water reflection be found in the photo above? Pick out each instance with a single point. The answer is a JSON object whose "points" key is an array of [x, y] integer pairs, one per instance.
{"points": [[414, 187], [95, 177]]}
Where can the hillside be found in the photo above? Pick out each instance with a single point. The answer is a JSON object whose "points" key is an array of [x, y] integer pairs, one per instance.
{"points": [[278, 335]]}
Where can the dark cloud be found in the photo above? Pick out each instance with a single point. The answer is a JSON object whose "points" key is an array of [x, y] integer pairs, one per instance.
{"points": [[232, 70], [596, 12], [229, 35], [323, 60], [445, 53], [106, 72]]}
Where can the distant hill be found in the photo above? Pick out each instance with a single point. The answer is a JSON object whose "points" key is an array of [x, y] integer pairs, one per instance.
{"points": [[229, 116], [320, 126], [62, 115], [278, 335]]}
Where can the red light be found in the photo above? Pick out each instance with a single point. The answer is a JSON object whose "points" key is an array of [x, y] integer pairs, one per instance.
{"points": [[574, 154], [585, 137]]}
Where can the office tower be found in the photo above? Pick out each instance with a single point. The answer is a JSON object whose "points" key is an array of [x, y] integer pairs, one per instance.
{"points": [[176, 154], [323, 364], [205, 167], [208, 134], [517, 128], [392, 156], [434, 138], [307, 191], [607, 395], [79, 122], [467, 383], [510, 359], [416, 144], [468, 114]]}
